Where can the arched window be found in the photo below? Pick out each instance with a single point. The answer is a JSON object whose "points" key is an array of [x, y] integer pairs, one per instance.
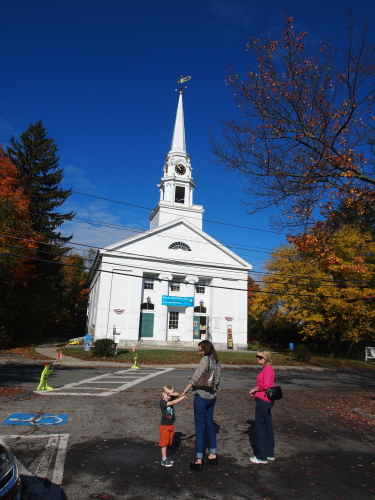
{"points": [[179, 245]]}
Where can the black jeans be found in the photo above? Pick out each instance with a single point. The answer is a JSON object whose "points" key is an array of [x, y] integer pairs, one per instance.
{"points": [[265, 442]]}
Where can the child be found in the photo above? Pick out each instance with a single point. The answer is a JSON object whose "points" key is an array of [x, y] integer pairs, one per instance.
{"points": [[166, 429]]}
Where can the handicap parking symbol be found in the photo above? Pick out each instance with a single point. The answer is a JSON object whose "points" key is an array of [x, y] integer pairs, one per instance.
{"points": [[36, 419]]}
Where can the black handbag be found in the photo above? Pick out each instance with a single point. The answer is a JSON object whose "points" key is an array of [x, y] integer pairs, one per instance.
{"points": [[274, 393], [206, 380]]}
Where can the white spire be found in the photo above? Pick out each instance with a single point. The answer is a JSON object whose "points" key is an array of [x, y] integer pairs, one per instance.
{"points": [[177, 185], [178, 140]]}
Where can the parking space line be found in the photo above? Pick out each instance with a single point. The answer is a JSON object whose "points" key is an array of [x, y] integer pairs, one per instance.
{"points": [[55, 443], [58, 472]]}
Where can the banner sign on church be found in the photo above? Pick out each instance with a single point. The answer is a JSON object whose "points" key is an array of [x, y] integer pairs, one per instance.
{"points": [[167, 300]]}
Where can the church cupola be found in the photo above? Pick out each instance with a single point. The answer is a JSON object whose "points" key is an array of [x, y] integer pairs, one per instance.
{"points": [[177, 185]]}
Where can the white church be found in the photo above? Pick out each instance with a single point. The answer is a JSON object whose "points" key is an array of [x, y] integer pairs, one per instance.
{"points": [[173, 284]]}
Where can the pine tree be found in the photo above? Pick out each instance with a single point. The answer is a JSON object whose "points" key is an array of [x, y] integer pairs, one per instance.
{"points": [[35, 156]]}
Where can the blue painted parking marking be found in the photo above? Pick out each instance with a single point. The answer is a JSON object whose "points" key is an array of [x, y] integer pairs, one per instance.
{"points": [[36, 419]]}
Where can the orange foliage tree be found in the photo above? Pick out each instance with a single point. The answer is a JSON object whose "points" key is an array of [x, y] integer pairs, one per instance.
{"points": [[17, 240], [306, 125], [252, 287], [252, 326]]}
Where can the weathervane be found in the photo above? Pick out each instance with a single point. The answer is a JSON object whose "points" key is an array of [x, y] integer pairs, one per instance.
{"points": [[181, 81]]}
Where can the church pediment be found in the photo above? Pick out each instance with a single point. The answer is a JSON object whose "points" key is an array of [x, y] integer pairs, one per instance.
{"points": [[178, 241]]}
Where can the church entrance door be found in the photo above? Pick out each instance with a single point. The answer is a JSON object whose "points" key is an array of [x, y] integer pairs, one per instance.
{"points": [[200, 327], [146, 326]]}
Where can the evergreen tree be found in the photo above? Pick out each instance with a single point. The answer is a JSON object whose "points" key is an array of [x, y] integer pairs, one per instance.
{"points": [[38, 165]]}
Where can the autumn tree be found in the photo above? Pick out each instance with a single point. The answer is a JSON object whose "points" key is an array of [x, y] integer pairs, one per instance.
{"points": [[17, 252], [73, 296], [253, 328], [305, 131], [309, 286]]}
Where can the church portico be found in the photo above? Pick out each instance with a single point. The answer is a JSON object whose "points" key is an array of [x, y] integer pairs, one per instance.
{"points": [[173, 284]]}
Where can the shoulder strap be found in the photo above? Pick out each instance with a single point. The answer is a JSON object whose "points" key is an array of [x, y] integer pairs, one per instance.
{"points": [[208, 362]]}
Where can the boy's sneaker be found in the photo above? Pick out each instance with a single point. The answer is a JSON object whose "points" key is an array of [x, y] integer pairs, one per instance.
{"points": [[166, 463], [271, 459], [255, 460]]}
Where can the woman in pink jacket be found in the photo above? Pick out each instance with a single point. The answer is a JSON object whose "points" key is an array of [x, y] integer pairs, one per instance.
{"points": [[265, 441]]}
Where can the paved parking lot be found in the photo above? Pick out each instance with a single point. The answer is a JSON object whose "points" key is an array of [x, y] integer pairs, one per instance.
{"points": [[108, 447]]}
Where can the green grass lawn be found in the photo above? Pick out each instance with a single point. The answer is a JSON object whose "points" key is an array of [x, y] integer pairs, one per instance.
{"points": [[165, 357]]}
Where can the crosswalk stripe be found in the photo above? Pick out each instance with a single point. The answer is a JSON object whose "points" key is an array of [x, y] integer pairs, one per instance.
{"points": [[138, 377]]}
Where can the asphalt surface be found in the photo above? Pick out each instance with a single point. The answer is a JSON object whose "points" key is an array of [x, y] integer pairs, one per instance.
{"points": [[324, 449]]}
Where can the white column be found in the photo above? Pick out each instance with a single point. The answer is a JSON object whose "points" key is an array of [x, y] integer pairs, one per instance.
{"points": [[189, 311], [162, 320]]}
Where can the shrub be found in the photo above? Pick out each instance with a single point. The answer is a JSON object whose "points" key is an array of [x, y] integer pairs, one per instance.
{"points": [[302, 353], [103, 347], [254, 345]]}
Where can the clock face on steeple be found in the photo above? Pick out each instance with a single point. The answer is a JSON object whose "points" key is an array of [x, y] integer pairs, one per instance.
{"points": [[180, 169]]}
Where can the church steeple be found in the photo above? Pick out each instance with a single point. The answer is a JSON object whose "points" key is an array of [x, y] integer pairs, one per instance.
{"points": [[178, 139], [177, 185]]}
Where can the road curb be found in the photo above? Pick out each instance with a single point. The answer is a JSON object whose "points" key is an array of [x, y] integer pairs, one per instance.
{"points": [[24, 395]]}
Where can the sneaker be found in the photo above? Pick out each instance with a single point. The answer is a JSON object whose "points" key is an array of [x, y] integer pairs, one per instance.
{"points": [[255, 460], [271, 459], [166, 463]]}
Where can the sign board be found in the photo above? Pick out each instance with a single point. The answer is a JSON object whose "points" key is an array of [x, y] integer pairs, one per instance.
{"points": [[369, 353], [291, 346], [217, 322], [168, 300], [87, 342]]}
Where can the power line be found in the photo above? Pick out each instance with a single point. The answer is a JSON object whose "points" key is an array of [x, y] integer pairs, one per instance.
{"points": [[140, 231], [316, 282], [289, 284], [320, 296], [171, 236], [206, 220]]}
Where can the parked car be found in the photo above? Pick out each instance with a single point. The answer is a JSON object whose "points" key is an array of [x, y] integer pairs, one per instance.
{"points": [[10, 481]]}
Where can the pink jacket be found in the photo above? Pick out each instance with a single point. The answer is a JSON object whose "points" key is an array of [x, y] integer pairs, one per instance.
{"points": [[265, 380]]}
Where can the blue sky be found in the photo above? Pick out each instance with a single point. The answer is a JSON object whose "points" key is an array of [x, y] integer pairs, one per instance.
{"points": [[101, 75]]}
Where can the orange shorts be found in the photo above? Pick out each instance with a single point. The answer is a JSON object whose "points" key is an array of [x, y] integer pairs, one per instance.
{"points": [[166, 433]]}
